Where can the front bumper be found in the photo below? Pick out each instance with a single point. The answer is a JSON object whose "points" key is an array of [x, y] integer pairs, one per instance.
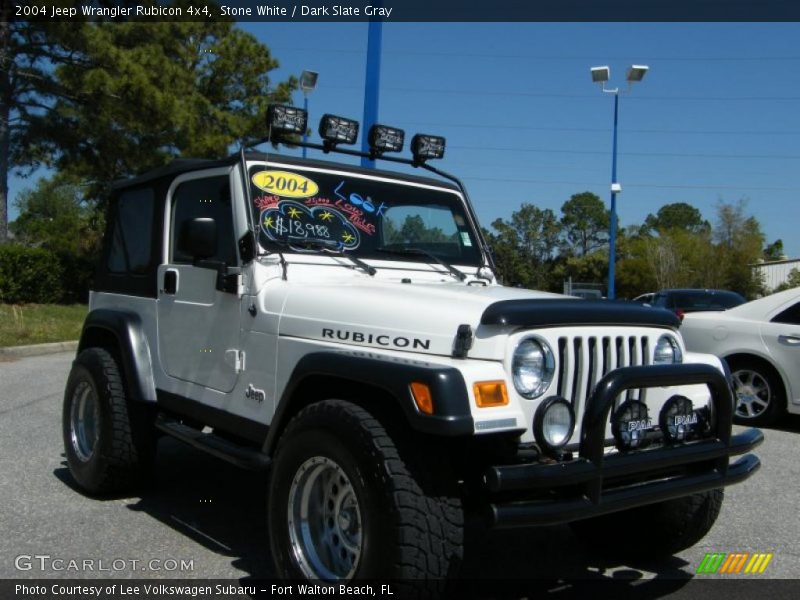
{"points": [[594, 484]]}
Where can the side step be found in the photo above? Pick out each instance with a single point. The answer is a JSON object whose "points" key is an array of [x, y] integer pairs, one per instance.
{"points": [[241, 456]]}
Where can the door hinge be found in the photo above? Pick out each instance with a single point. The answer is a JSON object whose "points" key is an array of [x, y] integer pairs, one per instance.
{"points": [[235, 359]]}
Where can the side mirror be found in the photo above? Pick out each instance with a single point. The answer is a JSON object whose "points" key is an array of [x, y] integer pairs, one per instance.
{"points": [[198, 238]]}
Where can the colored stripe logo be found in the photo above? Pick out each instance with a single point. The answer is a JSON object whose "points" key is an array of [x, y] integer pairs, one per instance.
{"points": [[734, 563]]}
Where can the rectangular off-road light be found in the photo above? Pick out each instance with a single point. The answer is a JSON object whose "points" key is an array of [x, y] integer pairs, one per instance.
{"points": [[425, 147], [286, 120], [386, 139], [338, 130]]}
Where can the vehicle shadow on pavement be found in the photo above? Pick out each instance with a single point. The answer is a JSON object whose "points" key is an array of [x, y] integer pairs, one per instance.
{"points": [[789, 423], [223, 509]]}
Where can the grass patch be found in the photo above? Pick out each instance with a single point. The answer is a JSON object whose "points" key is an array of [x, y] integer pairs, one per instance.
{"points": [[22, 324]]}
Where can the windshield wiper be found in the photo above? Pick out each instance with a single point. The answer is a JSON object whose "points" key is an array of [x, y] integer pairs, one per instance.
{"points": [[331, 247], [460, 275]]}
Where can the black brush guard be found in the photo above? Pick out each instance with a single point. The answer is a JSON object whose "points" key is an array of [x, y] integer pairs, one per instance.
{"points": [[592, 485]]}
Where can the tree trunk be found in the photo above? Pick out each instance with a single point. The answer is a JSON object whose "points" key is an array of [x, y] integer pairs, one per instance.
{"points": [[5, 113]]}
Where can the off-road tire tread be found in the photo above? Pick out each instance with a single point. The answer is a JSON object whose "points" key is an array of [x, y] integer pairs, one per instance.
{"points": [[123, 465], [428, 517]]}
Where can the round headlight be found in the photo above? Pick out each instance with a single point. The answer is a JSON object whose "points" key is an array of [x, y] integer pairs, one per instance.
{"points": [[677, 418], [553, 423], [668, 351], [533, 367]]}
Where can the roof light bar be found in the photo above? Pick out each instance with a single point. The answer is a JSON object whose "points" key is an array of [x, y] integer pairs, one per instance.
{"points": [[386, 139], [425, 147], [337, 130], [286, 120]]}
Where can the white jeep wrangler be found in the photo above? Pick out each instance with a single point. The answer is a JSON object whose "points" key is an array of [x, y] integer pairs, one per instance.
{"points": [[343, 330]]}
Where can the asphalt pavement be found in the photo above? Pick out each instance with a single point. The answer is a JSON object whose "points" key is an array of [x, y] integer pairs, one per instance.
{"points": [[203, 518]]}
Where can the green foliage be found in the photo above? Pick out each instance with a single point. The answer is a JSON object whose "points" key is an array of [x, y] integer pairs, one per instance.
{"points": [[740, 242], [29, 275], [54, 215], [524, 246], [677, 215], [133, 95], [40, 323], [792, 281], [585, 223], [774, 251]]}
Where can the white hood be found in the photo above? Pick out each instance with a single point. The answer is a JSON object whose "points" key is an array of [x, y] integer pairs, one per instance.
{"points": [[416, 317]]}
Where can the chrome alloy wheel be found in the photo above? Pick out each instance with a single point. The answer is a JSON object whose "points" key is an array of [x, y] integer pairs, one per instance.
{"points": [[84, 422], [325, 526], [753, 393]]}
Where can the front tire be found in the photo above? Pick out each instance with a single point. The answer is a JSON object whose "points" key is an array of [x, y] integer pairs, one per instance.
{"points": [[109, 442], [345, 502], [661, 529]]}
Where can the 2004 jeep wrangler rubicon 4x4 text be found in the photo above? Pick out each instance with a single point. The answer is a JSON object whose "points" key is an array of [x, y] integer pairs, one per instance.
{"points": [[343, 330]]}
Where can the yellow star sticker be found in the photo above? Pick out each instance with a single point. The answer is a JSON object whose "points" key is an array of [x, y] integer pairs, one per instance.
{"points": [[268, 222], [294, 213], [348, 238], [326, 216]]}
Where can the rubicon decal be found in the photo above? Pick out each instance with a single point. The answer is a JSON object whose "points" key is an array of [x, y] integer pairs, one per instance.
{"points": [[734, 563], [359, 337]]}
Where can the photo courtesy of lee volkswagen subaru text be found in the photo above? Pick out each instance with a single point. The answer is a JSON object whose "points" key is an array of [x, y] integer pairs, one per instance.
{"points": [[343, 330]]}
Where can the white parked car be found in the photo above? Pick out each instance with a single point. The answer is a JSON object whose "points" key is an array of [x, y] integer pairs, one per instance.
{"points": [[760, 341]]}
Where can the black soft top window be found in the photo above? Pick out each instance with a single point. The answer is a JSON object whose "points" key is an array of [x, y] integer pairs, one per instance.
{"points": [[131, 238], [360, 216]]}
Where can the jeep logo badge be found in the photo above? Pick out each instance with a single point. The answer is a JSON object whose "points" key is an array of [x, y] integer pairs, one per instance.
{"points": [[255, 394]]}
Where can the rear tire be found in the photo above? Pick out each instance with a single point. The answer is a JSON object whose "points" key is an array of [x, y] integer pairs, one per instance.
{"points": [[109, 441], [345, 502], [660, 529]]}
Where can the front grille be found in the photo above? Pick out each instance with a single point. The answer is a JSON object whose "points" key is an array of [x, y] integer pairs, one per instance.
{"points": [[584, 360]]}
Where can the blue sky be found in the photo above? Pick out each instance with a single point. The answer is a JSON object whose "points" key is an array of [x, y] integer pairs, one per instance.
{"points": [[715, 119]]}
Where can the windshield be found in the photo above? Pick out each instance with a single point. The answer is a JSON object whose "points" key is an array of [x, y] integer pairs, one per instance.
{"points": [[361, 216]]}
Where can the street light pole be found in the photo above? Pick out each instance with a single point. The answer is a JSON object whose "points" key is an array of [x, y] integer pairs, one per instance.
{"points": [[601, 75], [308, 82], [612, 233]]}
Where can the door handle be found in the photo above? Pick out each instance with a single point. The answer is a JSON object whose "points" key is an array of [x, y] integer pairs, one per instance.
{"points": [[170, 281], [789, 340]]}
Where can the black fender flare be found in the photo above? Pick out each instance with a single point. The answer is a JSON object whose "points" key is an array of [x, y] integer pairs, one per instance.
{"points": [[452, 415], [134, 351]]}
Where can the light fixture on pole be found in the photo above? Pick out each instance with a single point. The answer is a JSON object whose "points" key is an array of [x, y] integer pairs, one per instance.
{"points": [[308, 82], [602, 75]]}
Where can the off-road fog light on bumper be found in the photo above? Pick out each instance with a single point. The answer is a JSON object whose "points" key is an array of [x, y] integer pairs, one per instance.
{"points": [[677, 418], [533, 367], [630, 425], [553, 423]]}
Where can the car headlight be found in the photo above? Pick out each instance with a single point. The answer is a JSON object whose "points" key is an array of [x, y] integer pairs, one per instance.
{"points": [[668, 351], [533, 367]]}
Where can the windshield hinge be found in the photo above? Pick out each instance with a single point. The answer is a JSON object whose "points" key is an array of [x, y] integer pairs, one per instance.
{"points": [[463, 341]]}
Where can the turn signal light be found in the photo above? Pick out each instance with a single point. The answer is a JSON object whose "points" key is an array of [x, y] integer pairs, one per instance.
{"points": [[422, 397], [490, 393]]}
